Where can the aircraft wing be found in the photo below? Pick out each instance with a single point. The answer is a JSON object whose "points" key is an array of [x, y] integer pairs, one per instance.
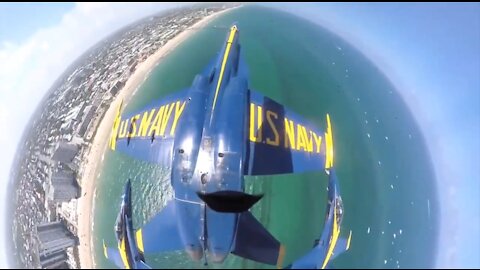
{"points": [[142, 265], [161, 232], [312, 260], [113, 255], [279, 141], [147, 134], [343, 244], [315, 258]]}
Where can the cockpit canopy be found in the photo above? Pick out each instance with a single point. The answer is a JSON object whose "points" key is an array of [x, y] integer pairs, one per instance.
{"points": [[339, 209], [118, 226]]}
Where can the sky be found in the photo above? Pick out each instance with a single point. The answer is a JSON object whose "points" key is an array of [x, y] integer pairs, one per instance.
{"points": [[430, 52], [31, 18]]}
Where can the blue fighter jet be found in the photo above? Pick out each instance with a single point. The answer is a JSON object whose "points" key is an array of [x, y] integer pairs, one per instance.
{"points": [[127, 255], [329, 245], [211, 135]]}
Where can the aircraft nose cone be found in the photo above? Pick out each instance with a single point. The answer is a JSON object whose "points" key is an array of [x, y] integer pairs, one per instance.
{"points": [[195, 253], [127, 192]]}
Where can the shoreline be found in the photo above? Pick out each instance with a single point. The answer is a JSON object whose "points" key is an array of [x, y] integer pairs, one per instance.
{"points": [[99, 143]]}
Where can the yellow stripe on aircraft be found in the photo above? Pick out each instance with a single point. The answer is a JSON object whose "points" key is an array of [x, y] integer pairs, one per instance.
{"points": [[105, 249], [329, 145], [335, 234], [139, 238], [123, 254], [348, 241], [233, 30]]}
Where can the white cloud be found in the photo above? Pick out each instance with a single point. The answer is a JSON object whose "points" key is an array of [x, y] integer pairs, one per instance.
{"points": [[28, 69], [4, 115]]}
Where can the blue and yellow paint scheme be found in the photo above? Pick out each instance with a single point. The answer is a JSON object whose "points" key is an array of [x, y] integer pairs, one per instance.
{"points": [[211, 135], [129, 253], [330, 245]]}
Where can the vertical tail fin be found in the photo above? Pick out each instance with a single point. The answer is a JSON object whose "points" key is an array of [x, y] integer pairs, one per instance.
{"points": [[254, 242]]}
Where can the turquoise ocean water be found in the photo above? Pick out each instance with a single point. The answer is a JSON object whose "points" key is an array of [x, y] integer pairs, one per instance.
{"points": [[386, 178]]}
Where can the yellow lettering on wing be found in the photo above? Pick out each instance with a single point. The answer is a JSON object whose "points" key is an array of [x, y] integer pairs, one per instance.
{"points": [[155, 128], [123, 128], [259, 123], [113, 137], [116, 124], [300, 138], [253, 138], [178, 112], [166, 117], [295, 135], [308, 139], [276, 140], [289, 134], [318, 141], [133, 126], [145, 123], [256, 130]]}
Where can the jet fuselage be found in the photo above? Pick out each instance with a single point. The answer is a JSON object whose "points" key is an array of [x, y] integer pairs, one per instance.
{"points": [[209, 153], [129, 253]]}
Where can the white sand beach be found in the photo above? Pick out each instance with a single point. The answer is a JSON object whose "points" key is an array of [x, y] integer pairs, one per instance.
{"points": [[93, 163]]}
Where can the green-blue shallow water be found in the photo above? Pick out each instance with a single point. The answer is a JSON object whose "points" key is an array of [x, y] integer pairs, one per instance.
{"points": [[385, 175]]}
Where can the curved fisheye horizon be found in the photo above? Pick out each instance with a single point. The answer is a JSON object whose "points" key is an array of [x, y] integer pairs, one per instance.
{"points": [[401, 96]]}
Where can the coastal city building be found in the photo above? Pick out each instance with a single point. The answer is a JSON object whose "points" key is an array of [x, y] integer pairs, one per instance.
{"points": [[53, 241], [55, 260], [65, 152], [63, 186], [89, 113]]}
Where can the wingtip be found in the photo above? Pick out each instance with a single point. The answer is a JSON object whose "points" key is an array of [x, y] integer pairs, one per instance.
{"points": [[105, 249], [349, 239], [139, 238], [328, 145]]}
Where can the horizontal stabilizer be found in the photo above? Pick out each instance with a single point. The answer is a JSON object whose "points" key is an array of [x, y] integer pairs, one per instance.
{"points": [[229, 201], [318, 257], [312, 260], [342, 246], [254, 242], [113, 255], [161, 232]]}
